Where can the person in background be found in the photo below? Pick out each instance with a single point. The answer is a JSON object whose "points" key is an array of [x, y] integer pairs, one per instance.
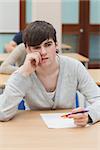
{"points": [[14, 60], [48, 80], [17, 39]]}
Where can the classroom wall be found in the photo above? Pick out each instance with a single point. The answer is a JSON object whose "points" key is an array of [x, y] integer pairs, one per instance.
{"points": [[9, 16], [49, 11], [40, 9], [9, 21]]}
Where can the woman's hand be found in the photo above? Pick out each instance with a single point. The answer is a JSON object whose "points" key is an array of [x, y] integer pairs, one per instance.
{"points": [[80, 119]]}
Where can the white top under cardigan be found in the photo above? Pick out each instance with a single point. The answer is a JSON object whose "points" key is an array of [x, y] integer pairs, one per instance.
{"points": [[72, 76]]}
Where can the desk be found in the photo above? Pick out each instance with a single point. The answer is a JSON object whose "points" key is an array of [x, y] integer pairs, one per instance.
{"points": [[79, 57], [95, 73], [27, 131], [3, 56], [65, 46], [3, 80]]}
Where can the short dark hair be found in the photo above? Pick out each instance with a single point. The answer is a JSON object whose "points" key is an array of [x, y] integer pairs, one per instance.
{"points": [[37, 32]]}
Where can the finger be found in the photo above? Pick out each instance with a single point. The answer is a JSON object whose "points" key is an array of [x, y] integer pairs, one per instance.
{"points": [[81, 120], [78, 116], [80, 124], [35, 58], [33, 63], [38, 58], [77, 109]]}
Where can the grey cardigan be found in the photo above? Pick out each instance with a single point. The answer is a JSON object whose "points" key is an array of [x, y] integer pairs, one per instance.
{"points": [[73, 76]]}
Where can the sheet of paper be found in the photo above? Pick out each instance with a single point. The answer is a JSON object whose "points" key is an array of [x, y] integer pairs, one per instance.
{"points": [[54, 120]]}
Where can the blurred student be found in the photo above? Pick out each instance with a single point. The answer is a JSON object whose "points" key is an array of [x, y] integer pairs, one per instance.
{"points": [[14, 60], [48, 80], [17, 39]]}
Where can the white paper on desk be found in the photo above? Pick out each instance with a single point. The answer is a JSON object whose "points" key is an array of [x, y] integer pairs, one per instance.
{"points": [[54, 120]]}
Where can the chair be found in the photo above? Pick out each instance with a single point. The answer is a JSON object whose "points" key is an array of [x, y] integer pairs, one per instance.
{"points": [[21, 105]]}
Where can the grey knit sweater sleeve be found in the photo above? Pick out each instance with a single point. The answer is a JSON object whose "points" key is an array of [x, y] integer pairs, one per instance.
{"points": [[90, 90], [14, 60], [13, 94]]}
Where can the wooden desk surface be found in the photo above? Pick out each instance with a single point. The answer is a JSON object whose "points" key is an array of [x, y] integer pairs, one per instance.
{"points": [[77, 56], [3, 80], [95, 73], [3, 56], [65, 46], [27, 131]]}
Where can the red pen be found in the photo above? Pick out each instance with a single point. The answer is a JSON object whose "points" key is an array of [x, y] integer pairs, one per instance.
{"points": [[83, 111]]}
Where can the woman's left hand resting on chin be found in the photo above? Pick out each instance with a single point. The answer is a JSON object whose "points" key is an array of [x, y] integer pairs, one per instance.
{"points": [[80, 119]]}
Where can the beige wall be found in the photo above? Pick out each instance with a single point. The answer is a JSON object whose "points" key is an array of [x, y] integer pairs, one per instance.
{"points": [[49, 11]]}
